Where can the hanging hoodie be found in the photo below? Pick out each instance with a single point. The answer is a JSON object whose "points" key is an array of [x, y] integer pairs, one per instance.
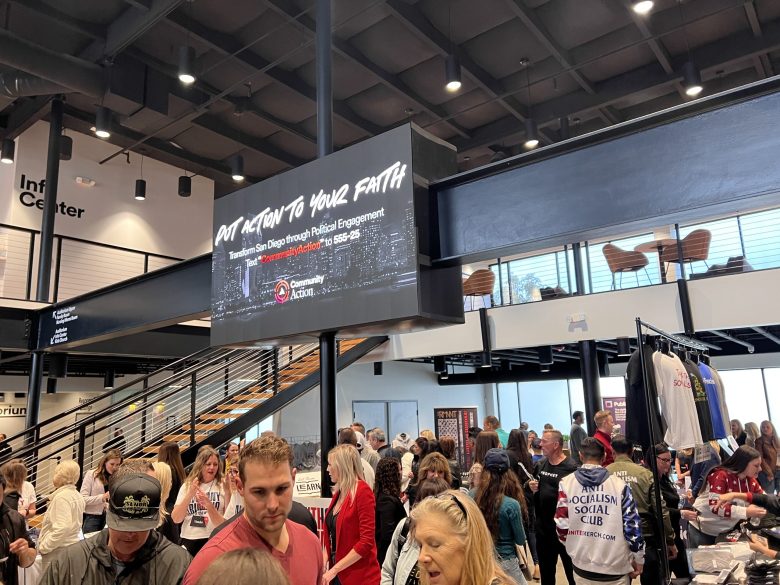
{"points": [[636, 406], [597, 520], [719, 424], [676, 400], [724, 411], [700, 399]]}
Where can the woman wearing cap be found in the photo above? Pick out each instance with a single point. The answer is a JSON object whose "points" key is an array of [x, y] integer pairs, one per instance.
{"points": [[201, 500], [65, 512], [350, 522], [455, 544], [499, 498], [94, 488]]}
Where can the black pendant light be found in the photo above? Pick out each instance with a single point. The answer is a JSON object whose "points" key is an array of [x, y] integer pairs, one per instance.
{"points": [[692, 79], [108, 380], [237, 168], [623, 346], [140, 184], [186, 65], [185, 186], [531, 130], [452, 63], [103, 122], [66, 147], [8, 151]]}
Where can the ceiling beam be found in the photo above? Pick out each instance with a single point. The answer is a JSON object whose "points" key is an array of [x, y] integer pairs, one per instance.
{"points": [[131, 25], [422, 28], [89, 29], [349, 52], [161, 150], [535, 25], [228, 45], [762, 63], [767, 334], [739, 47], [749, 346], [214, 124], [24, 114]]}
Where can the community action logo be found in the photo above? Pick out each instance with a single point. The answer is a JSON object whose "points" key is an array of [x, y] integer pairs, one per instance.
{"points": [[296, 289], [282, 291]]}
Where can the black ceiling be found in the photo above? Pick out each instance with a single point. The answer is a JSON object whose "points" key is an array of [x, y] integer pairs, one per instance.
{"points": [[593, 62]]}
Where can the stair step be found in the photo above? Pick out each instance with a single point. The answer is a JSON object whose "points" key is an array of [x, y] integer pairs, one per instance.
{"points": [[204, 427], [218, 416], [184, 437]]}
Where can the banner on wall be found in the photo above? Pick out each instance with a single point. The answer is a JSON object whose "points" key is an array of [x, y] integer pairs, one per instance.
{"points": [[617, 406], [455, 423]]}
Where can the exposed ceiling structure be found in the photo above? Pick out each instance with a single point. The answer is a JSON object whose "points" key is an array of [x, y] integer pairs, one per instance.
{"points": [[590, 64]]}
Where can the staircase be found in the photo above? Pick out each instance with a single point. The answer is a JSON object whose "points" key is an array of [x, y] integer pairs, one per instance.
{"points": [[210, 397]]}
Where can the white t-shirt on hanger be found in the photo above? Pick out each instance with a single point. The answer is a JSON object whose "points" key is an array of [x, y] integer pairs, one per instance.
{"points": [[676, 400]]}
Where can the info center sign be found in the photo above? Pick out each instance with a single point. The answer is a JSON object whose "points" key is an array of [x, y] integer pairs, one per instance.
{"points": [[331, 245]]}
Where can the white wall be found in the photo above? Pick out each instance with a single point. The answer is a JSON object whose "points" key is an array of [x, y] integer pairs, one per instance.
{"points": [[165, 223], [400, 381]]}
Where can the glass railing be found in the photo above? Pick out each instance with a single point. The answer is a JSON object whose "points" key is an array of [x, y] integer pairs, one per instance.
{"points": [[730, 245], [78, 266]]}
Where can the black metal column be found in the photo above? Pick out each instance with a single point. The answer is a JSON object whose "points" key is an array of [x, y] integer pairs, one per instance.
{"points": [[589, 370], [328, 357], [49, 202], [44, 256], [328, 348], [324, 81], [682, 288], [589, 361]]}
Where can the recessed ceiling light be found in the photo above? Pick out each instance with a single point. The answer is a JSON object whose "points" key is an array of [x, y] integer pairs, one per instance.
{"points": [[642, 6]]}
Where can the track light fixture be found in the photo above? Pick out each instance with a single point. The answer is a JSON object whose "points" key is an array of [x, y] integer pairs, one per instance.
{"points": [[186, 61], [623, 347], [452, 71], [237, 168], [692, 79], [642, 6], [485, 359], [103, 122], [544, 368], [531, 133], [8, 151], [51, 385], [185, 186], [108, 380]]}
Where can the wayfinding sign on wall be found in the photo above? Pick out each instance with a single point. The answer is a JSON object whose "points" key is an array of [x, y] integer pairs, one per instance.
{"points": [[330, 245]]}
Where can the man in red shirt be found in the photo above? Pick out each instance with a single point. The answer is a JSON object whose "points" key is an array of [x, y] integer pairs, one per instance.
{"points": [[604, 423], [266, 479]]}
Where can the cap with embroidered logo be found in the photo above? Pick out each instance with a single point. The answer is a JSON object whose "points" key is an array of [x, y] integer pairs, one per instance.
{"points": [[134, 503]]}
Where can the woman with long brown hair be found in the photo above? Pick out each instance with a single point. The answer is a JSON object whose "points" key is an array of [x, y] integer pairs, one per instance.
{"points": [[170, 453], [94, 488], [500, 499], [19, 493], [201, 500], [389, 508], [350, 522], [486, 440], [769, 446]]}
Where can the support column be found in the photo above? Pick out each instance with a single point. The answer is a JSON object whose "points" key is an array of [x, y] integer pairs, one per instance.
{"points": [[328, 357], [328, 348], [589, 370], [44, 257]]}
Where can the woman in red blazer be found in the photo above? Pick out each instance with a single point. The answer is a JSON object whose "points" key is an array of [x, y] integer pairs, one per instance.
{"points": [[351, 544]]}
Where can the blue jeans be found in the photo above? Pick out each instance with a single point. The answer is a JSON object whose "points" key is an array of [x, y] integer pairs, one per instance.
{"points": [[770, 484], [511, 566]]}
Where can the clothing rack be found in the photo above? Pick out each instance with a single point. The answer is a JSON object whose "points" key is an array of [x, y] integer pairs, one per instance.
{"points": [[652, 408]]}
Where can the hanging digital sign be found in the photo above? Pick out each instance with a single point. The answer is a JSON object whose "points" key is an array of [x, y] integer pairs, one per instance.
{"points": [[326, 246]]}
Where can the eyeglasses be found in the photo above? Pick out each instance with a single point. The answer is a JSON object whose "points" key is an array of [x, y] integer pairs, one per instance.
{"points": [[664, 459]]}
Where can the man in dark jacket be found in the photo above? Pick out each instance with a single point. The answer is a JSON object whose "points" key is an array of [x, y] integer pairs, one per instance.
{"points": [[128, 551]]}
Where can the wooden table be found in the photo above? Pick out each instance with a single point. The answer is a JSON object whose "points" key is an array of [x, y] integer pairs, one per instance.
{"points": [[658, 247]]}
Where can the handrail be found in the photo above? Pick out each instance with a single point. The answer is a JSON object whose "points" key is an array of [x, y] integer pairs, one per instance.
{"points": [[99, 244], [108, 411], [103, 396]]}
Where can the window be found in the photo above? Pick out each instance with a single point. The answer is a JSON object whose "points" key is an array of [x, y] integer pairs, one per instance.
{"points": [[599, 276], [508, 406], [760, 243], [545, 402], [745, 396], [772, 380], [726, 242]]}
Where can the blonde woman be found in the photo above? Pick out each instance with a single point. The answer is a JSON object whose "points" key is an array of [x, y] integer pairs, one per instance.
{"points": [[18, 490], [168, 528], [201, 501], [752, 433], [455, 545], [769, 446], [64, 515], [94, 488], [350, 522]]}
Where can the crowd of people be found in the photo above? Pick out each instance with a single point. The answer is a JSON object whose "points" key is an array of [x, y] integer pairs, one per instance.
{"points": [[401, 513]]}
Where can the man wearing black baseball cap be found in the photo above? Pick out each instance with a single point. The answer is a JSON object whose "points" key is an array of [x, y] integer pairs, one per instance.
{"points": [[129, 551]]}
